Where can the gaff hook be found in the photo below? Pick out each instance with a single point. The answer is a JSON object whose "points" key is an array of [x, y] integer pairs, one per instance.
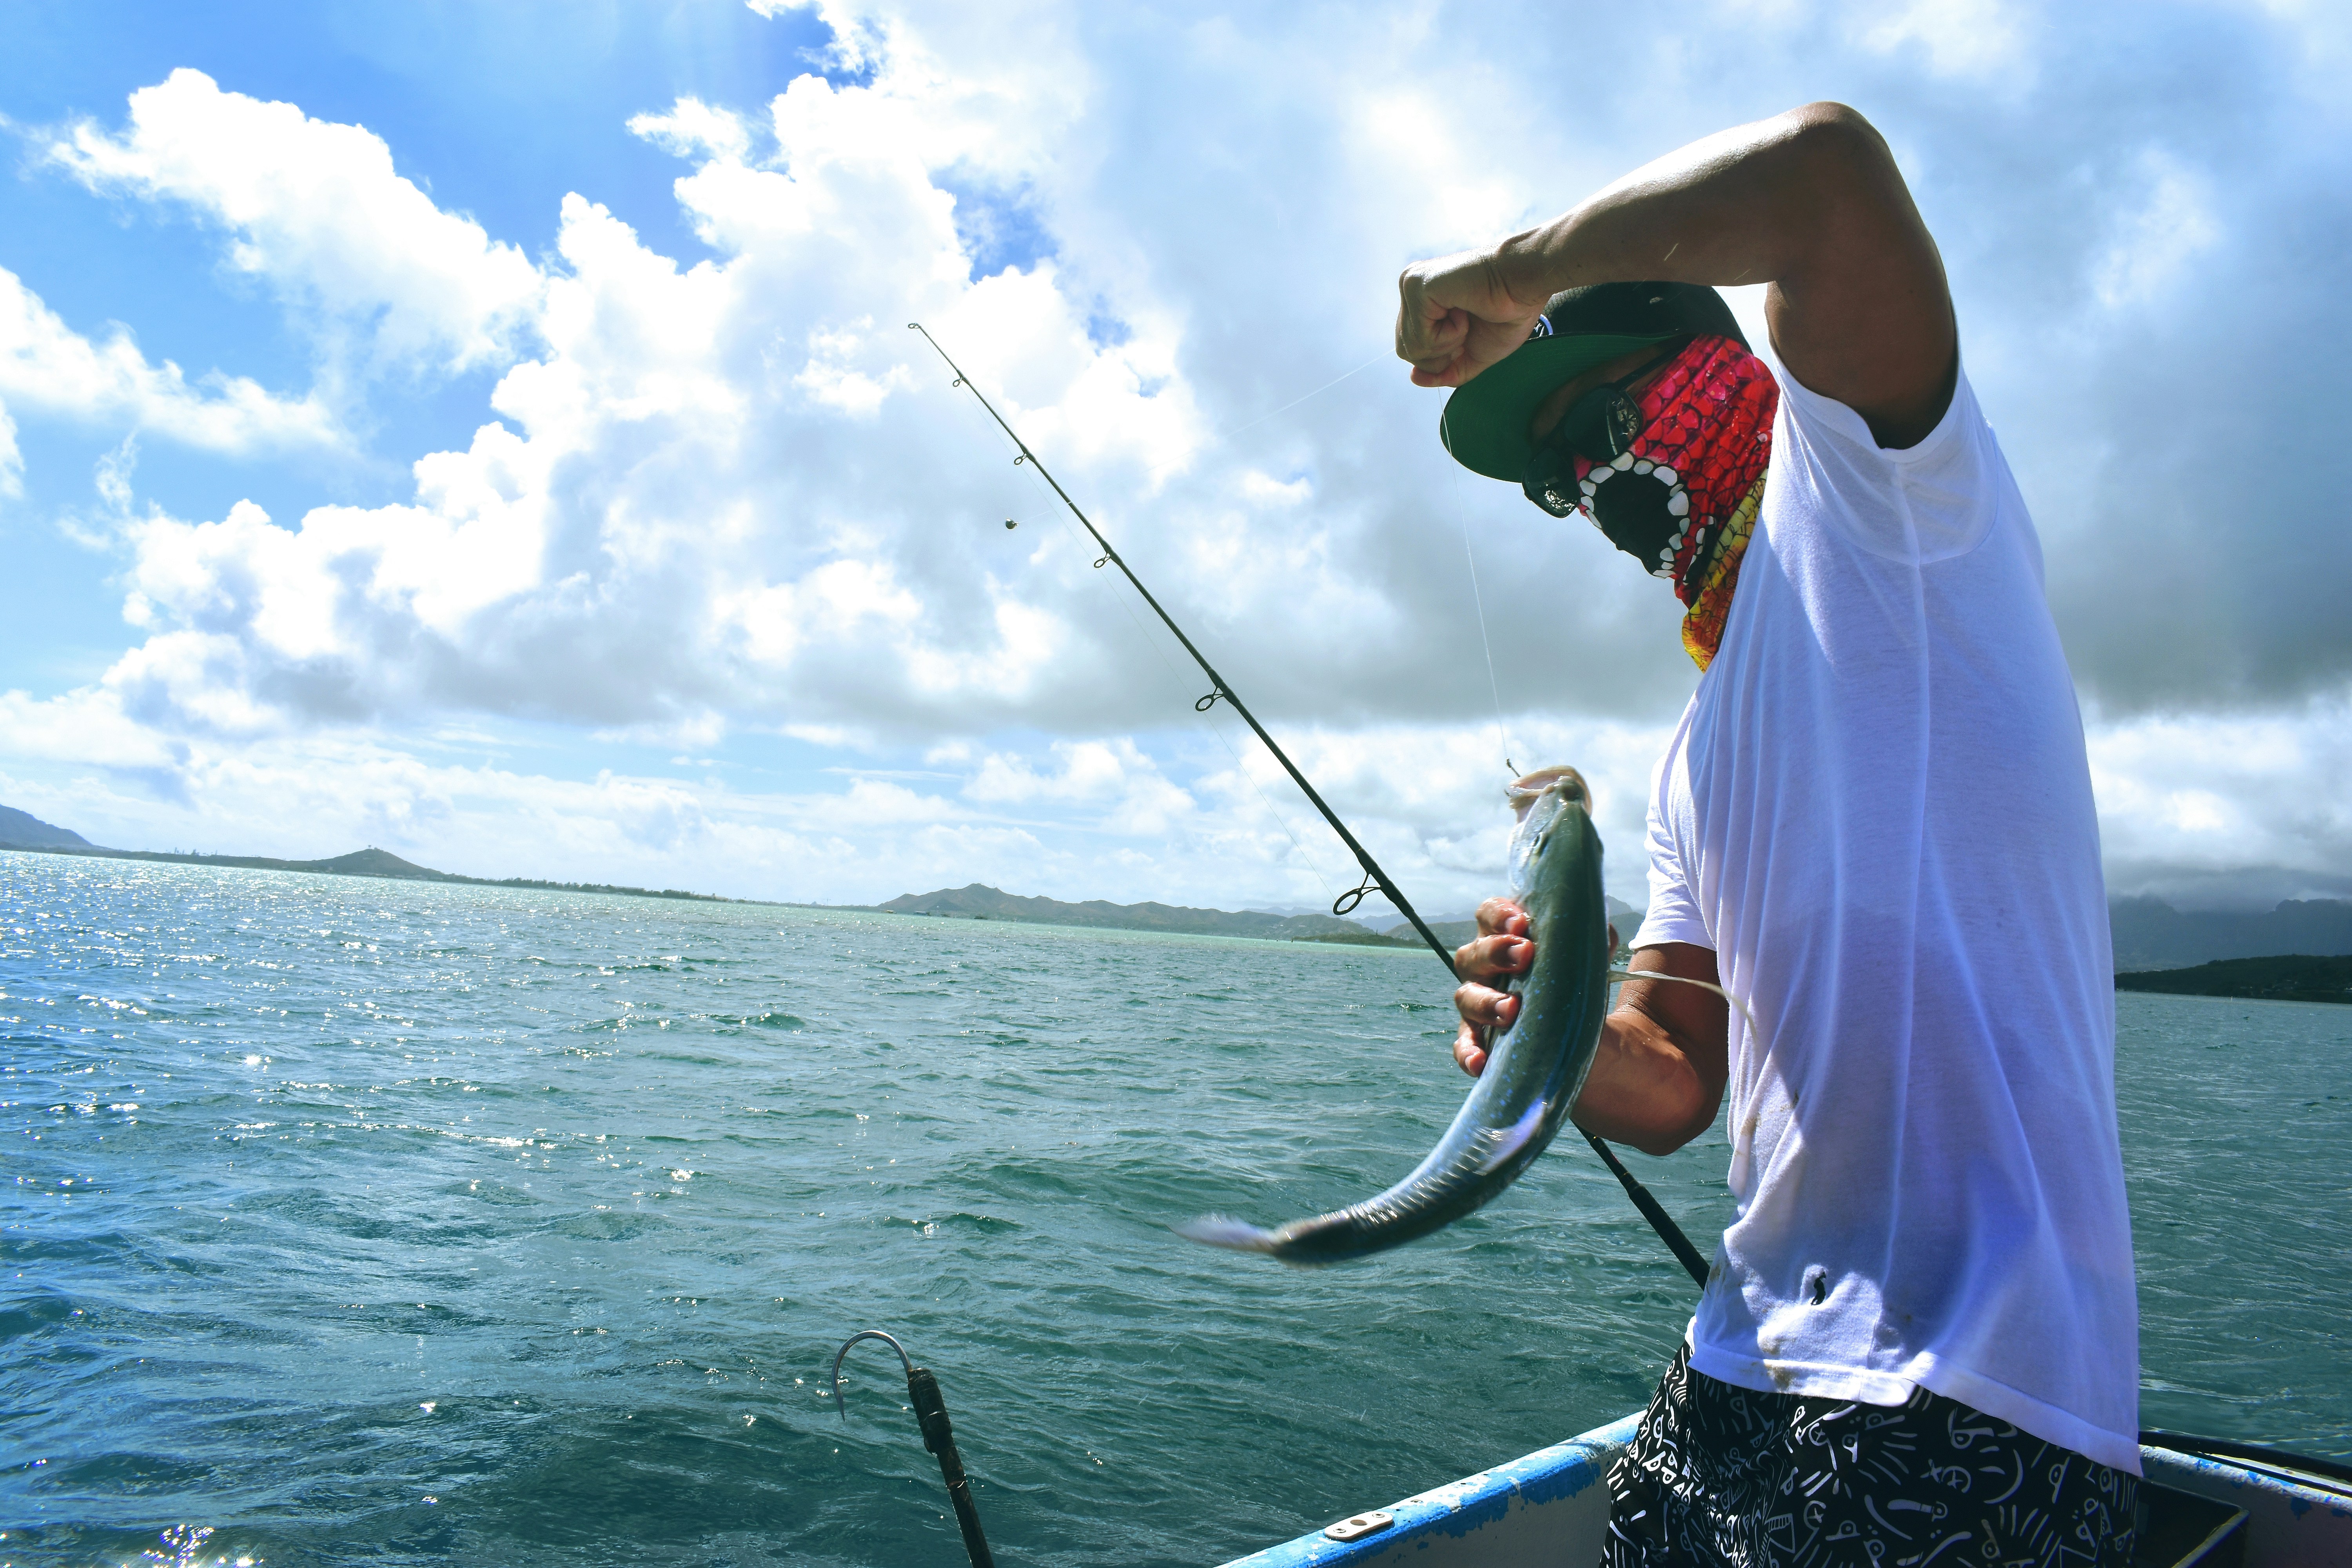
{"points": [[904, 1359], [939, 1437]]}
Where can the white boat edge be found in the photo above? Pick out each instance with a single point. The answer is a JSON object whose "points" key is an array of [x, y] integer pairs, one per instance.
{"points": [[1550, 1508]]}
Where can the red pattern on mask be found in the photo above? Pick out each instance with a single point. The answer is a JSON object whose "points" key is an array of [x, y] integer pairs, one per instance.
{"points": [[1708, 418]]}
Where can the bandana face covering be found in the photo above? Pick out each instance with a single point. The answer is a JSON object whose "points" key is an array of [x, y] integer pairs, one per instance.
{"points": [[1682, 496]]}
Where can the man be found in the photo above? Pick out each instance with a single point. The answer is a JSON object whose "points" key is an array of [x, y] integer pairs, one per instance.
{"points": [[1918, 1343]]}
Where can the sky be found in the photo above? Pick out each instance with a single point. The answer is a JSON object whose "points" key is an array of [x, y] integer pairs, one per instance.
{"points": [[493, 433]]}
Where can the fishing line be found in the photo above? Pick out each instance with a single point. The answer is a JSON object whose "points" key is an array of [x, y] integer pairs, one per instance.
{"points": [[1462, 515], [1228, 435], [1375, 880], [1143, 635]]}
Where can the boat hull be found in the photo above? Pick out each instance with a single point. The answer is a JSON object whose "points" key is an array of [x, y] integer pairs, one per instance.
{"points": [[2243, 1508]]}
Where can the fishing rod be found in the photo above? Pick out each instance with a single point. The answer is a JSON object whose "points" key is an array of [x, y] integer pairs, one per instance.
{"points": [[1373, 876]]}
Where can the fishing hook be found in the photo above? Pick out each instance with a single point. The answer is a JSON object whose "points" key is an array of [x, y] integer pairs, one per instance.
{"points": [[904, 1359]]}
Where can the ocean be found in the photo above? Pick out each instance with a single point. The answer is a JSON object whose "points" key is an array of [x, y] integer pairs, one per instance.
{"points": [[356, 1220]]}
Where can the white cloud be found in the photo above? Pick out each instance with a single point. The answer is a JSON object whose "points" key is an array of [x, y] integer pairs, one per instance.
{"points": [[2205, 795], [1978, 39], [694, 129], [47, 366], [621, 550], [12, 460], [317, 211], [2153, 245]]}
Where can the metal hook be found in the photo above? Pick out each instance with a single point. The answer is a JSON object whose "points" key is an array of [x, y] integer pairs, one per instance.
{"points": [[1205, 703], [865, 1334]]}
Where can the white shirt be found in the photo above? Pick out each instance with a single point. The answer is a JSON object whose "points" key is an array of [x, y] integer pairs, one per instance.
{"points": [[1877, 812]]}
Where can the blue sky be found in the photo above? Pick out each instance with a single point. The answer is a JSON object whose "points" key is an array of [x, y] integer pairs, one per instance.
{"points": [[547, 484]]}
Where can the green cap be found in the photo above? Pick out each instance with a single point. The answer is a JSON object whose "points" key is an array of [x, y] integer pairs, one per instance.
{"points": [[1484, 425]]}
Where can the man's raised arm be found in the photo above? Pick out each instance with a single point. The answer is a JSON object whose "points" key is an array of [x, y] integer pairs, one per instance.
{"points": [[1810, 202]]}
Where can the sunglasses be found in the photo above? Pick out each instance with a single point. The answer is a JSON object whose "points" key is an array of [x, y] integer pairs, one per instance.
{"points": [[1598, 427]]}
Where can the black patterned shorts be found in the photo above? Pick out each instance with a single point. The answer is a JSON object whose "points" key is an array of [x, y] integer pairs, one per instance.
{"points": [[1721, 1477]]}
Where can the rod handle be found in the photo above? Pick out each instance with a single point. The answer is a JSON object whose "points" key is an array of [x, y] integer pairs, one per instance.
{"points": [[939, 1437]]}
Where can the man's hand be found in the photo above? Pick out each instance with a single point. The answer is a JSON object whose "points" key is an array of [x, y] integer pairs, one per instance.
{"points": [[1658, 1074], [1454, 318], [1500, 950]]}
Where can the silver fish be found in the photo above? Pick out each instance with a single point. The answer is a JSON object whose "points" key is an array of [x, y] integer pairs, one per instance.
{"points": [[1533, 1072]]}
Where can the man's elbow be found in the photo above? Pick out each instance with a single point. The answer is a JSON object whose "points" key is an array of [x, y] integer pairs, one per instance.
{"points": [[1834, 140], [1671, 1125], [1667, 1140]]}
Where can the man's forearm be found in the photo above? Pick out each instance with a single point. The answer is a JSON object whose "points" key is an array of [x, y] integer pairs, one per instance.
{"points": [[1741, 207], [1645, 1088]]}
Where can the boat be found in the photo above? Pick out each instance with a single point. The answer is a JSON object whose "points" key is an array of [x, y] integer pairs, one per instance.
{"points": [[2203, 1501]]}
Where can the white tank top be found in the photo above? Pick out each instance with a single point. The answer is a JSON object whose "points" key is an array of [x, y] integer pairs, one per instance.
{"points": [[1877, 812]]}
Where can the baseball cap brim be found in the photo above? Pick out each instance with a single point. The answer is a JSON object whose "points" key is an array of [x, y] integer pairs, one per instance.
{"points": [[1484, 425]]}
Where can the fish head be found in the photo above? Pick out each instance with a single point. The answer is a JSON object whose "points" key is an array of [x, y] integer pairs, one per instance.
{"points": [[1538, 800]]}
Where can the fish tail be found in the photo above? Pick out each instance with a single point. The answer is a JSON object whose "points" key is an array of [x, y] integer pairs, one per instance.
{"points": [[1224, 1230]]}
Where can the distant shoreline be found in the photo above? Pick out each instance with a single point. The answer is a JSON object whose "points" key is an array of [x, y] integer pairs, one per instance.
{"points": [[975, 903], [2284, 977], [2290, 977], [379, 864]]}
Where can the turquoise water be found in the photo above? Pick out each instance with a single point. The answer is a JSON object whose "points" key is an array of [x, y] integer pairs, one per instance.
{"points": [[355, 1220]]}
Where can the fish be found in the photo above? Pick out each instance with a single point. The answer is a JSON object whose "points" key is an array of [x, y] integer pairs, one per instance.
{"points": [[1534, 1070]]}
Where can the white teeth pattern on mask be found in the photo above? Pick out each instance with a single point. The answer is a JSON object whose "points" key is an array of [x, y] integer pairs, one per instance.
{"points": [[1668, 477], [1643, 467], [1622, 461], [1679, 503]]}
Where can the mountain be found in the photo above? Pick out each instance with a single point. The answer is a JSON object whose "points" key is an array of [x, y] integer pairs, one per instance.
{"points": [[23, 831], [368, 862], [981, 902], [1455, 929], [2152, 934]]}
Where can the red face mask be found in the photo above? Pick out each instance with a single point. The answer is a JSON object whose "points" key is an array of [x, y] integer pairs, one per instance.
{"points": [[1705, 437]]}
